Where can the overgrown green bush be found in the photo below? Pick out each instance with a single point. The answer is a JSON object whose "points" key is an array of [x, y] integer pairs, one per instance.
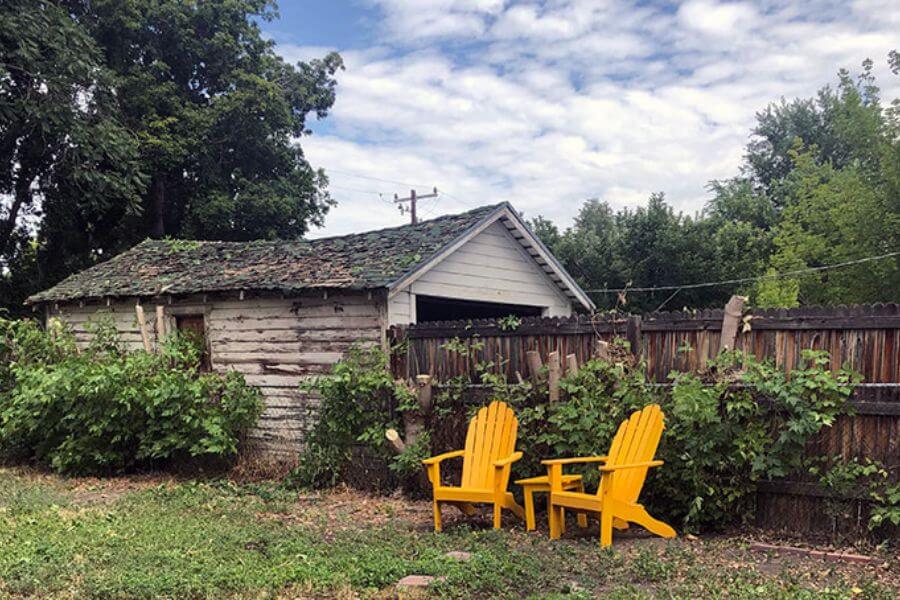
{"points": [[102, 409], [743, 421], [355, 408], [593, 403]]}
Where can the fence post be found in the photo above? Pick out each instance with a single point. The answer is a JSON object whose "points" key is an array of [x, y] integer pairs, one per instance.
{"points": [[399, 358], [533, 357], [730, 322], [633, 334], [571, 364], [145, 337], [553, 366]]}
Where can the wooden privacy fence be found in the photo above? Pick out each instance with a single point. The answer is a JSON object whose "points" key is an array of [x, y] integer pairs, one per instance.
{"points": [[865, 339], [862, 338]]}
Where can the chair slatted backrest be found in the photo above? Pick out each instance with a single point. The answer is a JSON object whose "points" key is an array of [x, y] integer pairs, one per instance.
{"points": [[635, 442], [491, 437]]}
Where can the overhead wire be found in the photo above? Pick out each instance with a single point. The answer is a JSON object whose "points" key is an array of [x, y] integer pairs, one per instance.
{"points": [[363, 176], [692, 286]]}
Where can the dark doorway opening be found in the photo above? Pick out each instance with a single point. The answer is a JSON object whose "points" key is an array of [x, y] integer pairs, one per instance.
{"points": [[194, 328], [431, 308]]}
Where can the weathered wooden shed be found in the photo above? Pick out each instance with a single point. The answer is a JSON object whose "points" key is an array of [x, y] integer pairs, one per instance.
{"points": [[282, 311]]}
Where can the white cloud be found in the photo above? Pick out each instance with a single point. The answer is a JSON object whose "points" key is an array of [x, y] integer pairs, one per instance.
{"points": [[547, 104], [717, 18]]}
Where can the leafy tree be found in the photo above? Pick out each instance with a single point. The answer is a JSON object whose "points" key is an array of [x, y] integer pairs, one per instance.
{"points": [[835, 216], [216, 111], [59, 127], [844, 125], [820, 186], [149, 117]]}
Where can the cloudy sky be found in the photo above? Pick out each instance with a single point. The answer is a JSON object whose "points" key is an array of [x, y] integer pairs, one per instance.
{"points": [[548, 103]]}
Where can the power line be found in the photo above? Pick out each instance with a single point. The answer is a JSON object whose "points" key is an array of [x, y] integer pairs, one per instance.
{"points": [[692, 286], [352, 189], [457, 198], [361, 176]]}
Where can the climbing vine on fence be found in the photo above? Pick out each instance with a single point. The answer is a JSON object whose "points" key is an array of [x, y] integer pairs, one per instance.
{"points": [[739, 422]]}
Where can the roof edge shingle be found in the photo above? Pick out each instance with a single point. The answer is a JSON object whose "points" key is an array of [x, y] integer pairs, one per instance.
{"points": [[368, 260]]}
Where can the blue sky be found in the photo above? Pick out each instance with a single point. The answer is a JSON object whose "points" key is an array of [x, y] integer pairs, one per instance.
{"points": [[548, 103]]}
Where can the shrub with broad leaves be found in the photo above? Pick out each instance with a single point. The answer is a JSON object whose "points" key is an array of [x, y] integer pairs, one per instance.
{"points": [[101, 409]]}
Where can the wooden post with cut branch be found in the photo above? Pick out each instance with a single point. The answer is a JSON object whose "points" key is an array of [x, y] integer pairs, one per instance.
{"points": [[730, 322], [553, 367], [633, 334], [145, 337], [413, 420], [602, 350]]}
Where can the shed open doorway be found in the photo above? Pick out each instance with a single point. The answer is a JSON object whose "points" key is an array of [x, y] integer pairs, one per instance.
{"points": [[194, 326], [432, 308]]}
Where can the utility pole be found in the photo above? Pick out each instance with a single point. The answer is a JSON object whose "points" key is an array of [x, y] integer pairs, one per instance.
{"points": [[412, 203]]}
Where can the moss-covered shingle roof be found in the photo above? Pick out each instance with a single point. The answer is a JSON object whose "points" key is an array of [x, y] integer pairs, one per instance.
{"points": [[359, 261]]}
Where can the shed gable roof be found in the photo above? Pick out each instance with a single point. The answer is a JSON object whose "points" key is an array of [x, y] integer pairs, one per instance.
{"points": [[375, 259]]}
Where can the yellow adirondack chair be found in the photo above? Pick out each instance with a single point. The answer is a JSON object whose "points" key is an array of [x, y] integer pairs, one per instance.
{"points": [[487, 460], [621, 479]]}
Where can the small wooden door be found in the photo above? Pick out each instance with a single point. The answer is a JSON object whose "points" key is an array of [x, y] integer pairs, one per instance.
{"points": [[194, 327]]}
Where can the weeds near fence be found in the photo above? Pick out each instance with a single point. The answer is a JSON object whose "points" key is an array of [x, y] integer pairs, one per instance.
{"points": [[740, 422]]}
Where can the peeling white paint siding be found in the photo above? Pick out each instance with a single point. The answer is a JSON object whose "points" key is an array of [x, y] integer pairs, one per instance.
{"points": [[276, 343]]}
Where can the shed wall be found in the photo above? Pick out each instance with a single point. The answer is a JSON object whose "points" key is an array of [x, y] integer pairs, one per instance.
{"points": [[275, 342], [491, 267]]}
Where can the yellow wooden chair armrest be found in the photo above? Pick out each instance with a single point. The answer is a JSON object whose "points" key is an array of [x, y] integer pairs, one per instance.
{"points": [[441, 457], [574, 460], [611, 468], [508, 460]]}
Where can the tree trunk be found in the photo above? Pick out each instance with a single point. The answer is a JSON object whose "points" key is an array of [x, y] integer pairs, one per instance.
{"points": [[158, 229], [8, 226]]}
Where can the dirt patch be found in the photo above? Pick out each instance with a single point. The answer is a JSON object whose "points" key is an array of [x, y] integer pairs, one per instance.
{"points": [[96, 490], [255, 467]]}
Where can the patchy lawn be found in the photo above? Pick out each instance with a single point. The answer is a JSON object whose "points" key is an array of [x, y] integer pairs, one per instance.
{"points": [[155, 537]]}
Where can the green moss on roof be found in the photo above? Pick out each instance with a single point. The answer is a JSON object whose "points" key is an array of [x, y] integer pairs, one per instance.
{"points": [[367, 260]]}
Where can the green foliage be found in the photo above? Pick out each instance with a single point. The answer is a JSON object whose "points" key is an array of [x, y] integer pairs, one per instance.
{"points": [[509, 322], [101, 410], [60, 135], [354, 411], [750, 422], [834, 216], [148, 118], [861, 480], [583, 422], [655, 245], [744, 422], [410, 460]]}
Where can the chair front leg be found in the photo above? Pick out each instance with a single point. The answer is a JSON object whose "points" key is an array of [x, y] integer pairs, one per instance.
{"points": [[434, 474], [555, 513], [529, 508]]}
